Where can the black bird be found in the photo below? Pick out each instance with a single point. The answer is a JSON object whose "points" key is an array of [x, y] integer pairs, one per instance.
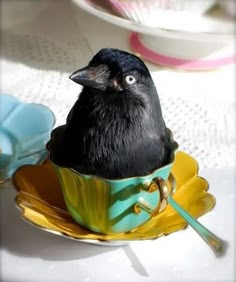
{"points": [[115, 129]]}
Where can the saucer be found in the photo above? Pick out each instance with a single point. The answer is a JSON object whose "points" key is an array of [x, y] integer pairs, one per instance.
{"points": [[24, 130], [41, 203]]}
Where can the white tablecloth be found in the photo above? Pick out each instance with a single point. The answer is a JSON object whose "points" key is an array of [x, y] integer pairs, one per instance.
{"points": [[42, 43]]}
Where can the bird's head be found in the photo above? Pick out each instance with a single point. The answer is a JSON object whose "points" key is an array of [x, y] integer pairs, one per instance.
{"points": [[115, 71]]}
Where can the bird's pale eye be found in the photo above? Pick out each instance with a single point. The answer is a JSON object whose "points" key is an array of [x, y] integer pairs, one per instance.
{"points": [[130, 79]]}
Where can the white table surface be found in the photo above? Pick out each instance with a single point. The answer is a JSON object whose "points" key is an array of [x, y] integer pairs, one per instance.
{"points": [[42, 43]]}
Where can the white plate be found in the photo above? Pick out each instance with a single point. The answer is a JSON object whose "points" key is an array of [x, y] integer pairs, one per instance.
{"points": [[210, 26], [186, 42]]}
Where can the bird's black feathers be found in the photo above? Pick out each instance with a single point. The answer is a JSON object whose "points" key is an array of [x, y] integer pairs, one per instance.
{"points": [[115, 129]]}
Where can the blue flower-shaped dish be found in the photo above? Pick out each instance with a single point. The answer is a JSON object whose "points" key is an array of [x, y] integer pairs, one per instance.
{"points": [[24, 131]]}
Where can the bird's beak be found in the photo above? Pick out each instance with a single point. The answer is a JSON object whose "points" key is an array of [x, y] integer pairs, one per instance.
{"points": [[95, 77]]}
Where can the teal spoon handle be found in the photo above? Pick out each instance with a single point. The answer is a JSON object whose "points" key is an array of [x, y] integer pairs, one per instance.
{"points": [[218, 245]]}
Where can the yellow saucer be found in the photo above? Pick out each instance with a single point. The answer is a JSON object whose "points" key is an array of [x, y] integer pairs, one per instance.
{"points": [[41, 201]]}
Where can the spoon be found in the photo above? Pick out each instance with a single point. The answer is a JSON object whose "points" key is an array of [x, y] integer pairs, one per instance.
{"points": [[218, 245]]}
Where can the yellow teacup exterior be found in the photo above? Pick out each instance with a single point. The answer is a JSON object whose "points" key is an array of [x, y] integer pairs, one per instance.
{"points": [[112, 206]]}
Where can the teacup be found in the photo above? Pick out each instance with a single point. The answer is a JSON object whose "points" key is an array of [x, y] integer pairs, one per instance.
{"points": [[115, 205]]}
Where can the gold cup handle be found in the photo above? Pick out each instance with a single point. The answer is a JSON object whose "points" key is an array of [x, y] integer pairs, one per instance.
{"points": [[164, 191]]}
